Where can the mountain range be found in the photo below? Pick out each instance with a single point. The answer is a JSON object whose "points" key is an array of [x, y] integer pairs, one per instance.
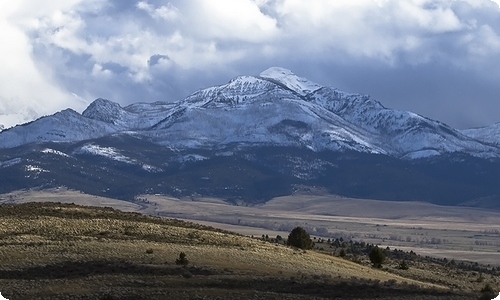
{"points": [[253, 138]]}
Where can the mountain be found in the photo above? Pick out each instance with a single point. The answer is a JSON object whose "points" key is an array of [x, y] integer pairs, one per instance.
{"points": [[251, 139], [275, 108], [488, 134]]}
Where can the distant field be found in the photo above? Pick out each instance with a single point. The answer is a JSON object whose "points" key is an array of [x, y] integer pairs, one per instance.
{"points": [[452, 232]]}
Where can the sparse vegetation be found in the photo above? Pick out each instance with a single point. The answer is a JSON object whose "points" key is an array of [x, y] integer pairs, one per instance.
{"points": [[63, 251]]}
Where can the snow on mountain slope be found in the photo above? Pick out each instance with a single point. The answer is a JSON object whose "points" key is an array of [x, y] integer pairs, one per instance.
{"points": [[64, 126], [275, 108], [296, 124], [133, 117], [255, 110], [285, 77], [489, 134], [54, 152], [10, 162], [108, 152], [239, 91], [407, 133]]}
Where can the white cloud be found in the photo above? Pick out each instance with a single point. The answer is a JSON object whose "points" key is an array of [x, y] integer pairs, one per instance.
{"points": [[100, 72], [234, 20], [366, 28], [95, 48], [166, 12], [26, 90]]}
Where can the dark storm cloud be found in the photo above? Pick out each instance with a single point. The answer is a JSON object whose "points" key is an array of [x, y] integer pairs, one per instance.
{"points": [[436, 58], [156, 59]]}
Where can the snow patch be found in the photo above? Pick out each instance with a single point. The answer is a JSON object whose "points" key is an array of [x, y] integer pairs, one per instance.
{"points": [[151, 169], [192, 158], [108, 152], [421, 154], [55, 152], [10, 162], [35, 169]]}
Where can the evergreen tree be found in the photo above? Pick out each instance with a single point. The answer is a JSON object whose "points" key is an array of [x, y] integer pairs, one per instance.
{"points": [[299, 238], [377, 256], [182, 260]]}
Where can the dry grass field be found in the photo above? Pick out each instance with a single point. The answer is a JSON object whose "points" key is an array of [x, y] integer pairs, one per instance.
{"points": [[446, 232], [63, 251]]}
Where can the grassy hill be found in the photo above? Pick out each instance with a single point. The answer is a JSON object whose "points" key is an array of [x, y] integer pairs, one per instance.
{"points": [[65, 251]]}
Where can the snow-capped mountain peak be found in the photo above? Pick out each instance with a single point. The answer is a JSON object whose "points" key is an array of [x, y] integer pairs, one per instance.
{"points": [[103, 110], [287, 78], [277, 108]]}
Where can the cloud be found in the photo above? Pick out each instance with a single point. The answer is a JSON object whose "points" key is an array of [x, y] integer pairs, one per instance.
{"points": [[27, 89], [229, 20], [166, 12], [153, 50], [157, 59]]}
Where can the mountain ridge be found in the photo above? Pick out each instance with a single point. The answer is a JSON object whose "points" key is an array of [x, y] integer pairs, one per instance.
{"points": [[256, 110], [250, 140]]}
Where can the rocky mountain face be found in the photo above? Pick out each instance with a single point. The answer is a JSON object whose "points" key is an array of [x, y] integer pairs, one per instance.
{"points": [[239, 126]]}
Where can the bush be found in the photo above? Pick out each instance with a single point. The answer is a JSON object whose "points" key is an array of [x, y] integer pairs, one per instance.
{"points": [[299, 238], [187, 274], [487, 293], [342, 253], [377, 257], [403, 265], [182, 260]]}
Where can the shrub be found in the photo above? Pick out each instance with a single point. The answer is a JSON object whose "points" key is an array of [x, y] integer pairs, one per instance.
{"points": [[487, 293], [342, 253], [299, 238], [403, 265], [377, 257], [187, 274], [149, 251], [182, 260]]}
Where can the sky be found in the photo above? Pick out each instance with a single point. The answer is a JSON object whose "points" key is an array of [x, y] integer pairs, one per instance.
{"points": [[437, 58]]}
